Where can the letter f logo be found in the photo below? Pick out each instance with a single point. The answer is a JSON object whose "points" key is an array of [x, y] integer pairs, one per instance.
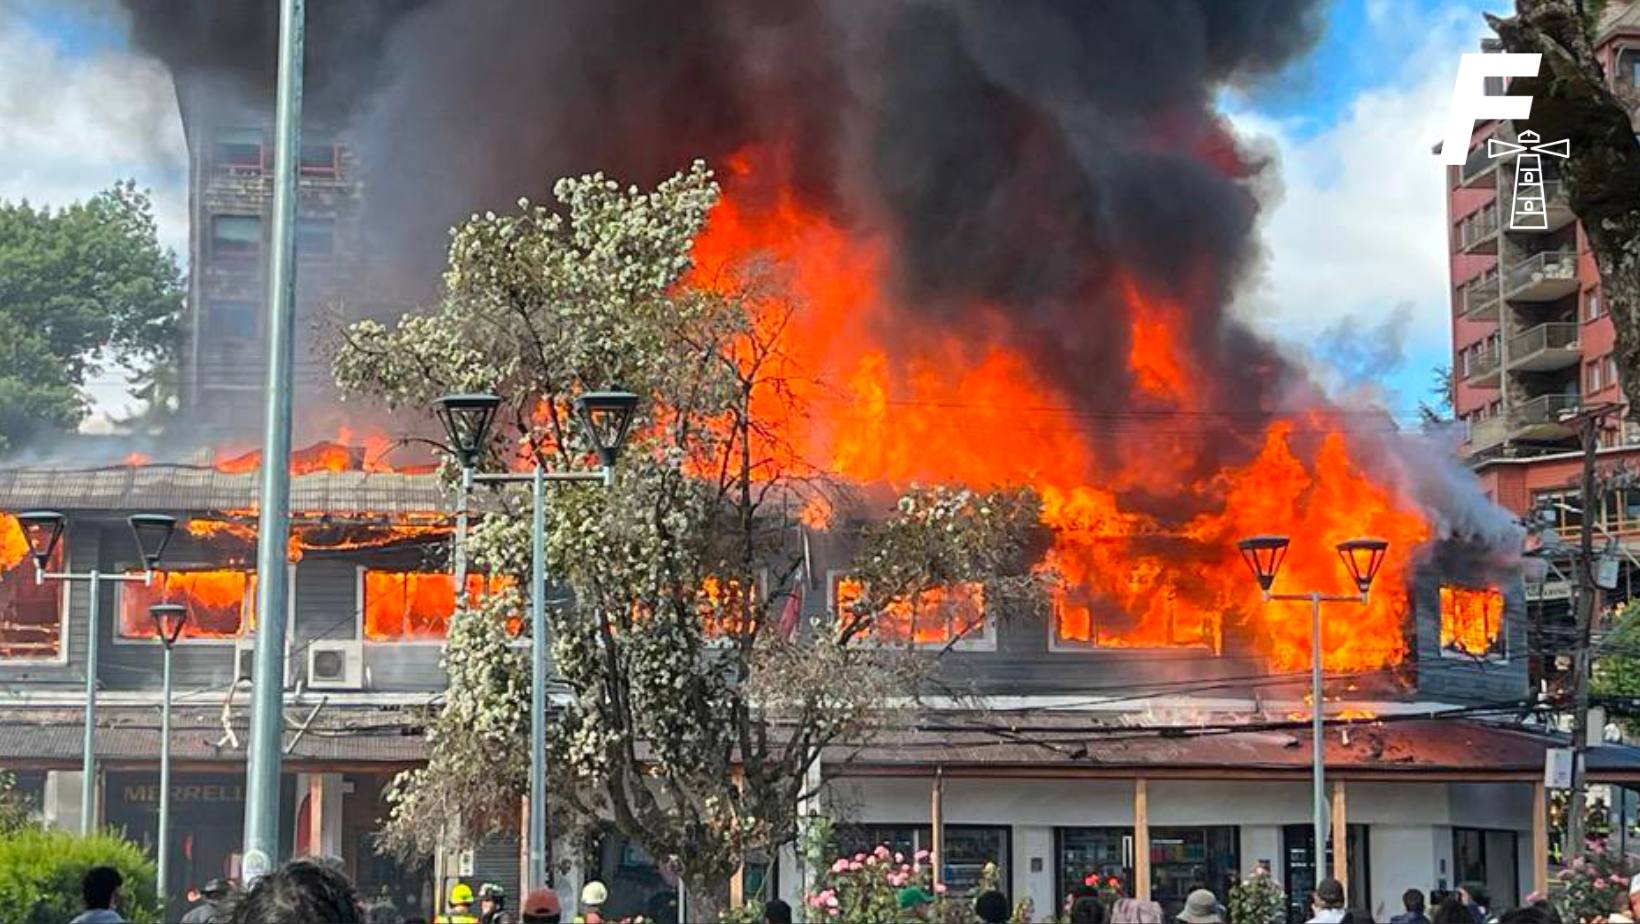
{"points": [[1470, 101]]}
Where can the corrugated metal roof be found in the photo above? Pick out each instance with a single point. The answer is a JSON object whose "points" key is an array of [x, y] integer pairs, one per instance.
{"points": [[194, 488]]}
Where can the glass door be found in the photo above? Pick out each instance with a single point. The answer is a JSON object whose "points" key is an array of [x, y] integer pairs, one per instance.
{"points": [[1081, 852], [1298, 870], [1185, 859]]}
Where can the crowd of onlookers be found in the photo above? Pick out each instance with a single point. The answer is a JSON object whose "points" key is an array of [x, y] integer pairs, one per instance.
{"points": [[315, 892]]}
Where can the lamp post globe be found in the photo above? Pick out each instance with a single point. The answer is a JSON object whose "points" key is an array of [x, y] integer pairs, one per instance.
{"points": [[467, 419], [1263, 555], [1363, 557], [606, 416], [153, 533], [43, 529]]}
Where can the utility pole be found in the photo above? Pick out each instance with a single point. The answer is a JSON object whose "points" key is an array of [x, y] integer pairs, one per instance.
{"points": [[267, 702], [1589, 422]]}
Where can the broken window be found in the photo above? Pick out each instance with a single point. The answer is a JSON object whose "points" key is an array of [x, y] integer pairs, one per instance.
{"points": [[1472, 622], [221, 604], [320, 159], [236, 237], [936, 616], [31, 612], [239, 152], [402, 606]]}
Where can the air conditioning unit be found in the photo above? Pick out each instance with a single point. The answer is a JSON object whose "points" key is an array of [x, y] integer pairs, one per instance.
{"points": [[335, 665]]}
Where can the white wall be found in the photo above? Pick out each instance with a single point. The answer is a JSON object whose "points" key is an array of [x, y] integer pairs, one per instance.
{"points": [[1403, 857]]}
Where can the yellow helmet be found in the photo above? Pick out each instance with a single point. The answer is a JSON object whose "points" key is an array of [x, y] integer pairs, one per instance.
{"points": [[461, 894]]}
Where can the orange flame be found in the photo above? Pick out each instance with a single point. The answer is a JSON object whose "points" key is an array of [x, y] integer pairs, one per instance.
{"points": [[409, 605], [1471, 620], [30, 612], [220, 603], [933, 617], [874, 402]]}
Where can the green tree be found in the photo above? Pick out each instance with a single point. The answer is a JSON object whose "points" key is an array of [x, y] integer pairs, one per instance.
{"points": [[41, 869], [83, 290], [692, 714], [1615, 674]]}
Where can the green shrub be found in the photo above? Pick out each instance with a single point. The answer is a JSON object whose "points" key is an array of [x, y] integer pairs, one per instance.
{"points": [[41, 869]]}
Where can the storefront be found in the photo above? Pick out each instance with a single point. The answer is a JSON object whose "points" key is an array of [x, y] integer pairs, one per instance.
{"points": [[1182, 859]]}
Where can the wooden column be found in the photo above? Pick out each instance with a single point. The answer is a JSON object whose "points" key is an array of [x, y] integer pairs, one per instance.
{"points": [[1141, 840], [936, 813], [316, 815], [1340, 835], [1540, 837], [737, 882]]}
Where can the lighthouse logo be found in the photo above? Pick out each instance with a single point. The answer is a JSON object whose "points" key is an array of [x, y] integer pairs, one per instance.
{"points": [[1530, 209]]}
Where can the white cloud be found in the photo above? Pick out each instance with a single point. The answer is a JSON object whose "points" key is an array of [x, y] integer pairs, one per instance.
{"points": [[1360, 229], [74, 120]]}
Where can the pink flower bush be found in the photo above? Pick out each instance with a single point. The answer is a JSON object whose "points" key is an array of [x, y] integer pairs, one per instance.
{"points": [[1596, 885], [866, 888]]}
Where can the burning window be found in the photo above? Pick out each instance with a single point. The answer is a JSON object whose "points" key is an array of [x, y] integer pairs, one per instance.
{"points": [[221, 604], [236, 237], [933, 617], [1163, 621], [1472, 622], [31, 613], [723, 606], [239, 152], [417, 605]]}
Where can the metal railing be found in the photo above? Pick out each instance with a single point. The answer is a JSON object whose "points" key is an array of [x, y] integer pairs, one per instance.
{"points": [[1550, 264], [1486, 433], [1544, 409], [1478, 227], [1477, 164], [1552, 336], [1480, 296], [1484, 364]]}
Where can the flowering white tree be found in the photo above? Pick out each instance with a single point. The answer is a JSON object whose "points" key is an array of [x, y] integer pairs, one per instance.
{"points": [[693, 706]]}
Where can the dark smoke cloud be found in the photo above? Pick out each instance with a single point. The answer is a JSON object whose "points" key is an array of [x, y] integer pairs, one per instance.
{"points": [[1026, 157]]}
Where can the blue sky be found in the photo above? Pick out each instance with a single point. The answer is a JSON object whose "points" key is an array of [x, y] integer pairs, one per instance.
{"points": [[1354, 275]]}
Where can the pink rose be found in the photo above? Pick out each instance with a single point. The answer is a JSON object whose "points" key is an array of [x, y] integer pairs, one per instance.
{"points": [[833, 912], [854, 866], [881, 851], [840, 866], [899, 858], [939, 888], [831, 901], [871, 861], [896, 879], [922, 854], [859, 858]]}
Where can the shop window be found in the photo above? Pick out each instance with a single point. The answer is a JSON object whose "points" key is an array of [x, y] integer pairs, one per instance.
{"points": [[316, 239], [1472, 622], [320, 160], [401, 606], [938, 616], [967, 848], [1185, 859], [236, 237], [239, 152], [221, 604], [31, 612]]}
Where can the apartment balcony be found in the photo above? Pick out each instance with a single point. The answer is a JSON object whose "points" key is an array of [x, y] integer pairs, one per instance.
{"points": [[1484, 434], [1478, 234], [1547, 417], [1542, 277], [1557, 207], [1545, 348], [1485, 370], [1480, 302], [1479, 169]]}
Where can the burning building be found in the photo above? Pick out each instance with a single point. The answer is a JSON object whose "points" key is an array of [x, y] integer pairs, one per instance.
{"points": [[1014, 238]]}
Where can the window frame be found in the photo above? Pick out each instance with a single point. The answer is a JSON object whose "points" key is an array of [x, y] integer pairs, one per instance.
{"points": [[241, 638], [1501, 656], [332, 172], [984, 640], [222, 167], [65, 620], [249, 255], [358, 609]]}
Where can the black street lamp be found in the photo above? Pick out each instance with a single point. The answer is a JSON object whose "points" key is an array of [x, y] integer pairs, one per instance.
{"points": [[169, 619], [43, 529], [605, 416], [1363, 558]]}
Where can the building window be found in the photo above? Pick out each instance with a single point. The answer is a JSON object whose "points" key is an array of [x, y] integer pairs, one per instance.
{"points": [[31, 613], [316, 239], [967, 847], [236, 237], [1611, 371], [1591, 372], [398, 606], [1495, 409], [940, 616], [233, 319], [1591, 304], [320, 160], [1472, 622], [221, 604], [239, 152]]}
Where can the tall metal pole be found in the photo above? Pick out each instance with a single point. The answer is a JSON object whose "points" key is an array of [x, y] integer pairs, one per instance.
{"points": [[458, 554], [1587, 591], [537, 877], [164, 778], [1318, 737], [267, 705], [88, 760]]}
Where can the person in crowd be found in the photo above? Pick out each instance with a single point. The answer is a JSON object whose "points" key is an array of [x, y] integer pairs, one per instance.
{"points": [[215, 904], [593, 896], [100, 888], [492, 904], [776, 911], [992, 907], [1200, 907], [1413, 901], [300, 892], [914, 902], [1535, 913], [541, 907], [1477, 901], [1451, 911], [1327, 903], [460, 908], [1088, 910]]}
